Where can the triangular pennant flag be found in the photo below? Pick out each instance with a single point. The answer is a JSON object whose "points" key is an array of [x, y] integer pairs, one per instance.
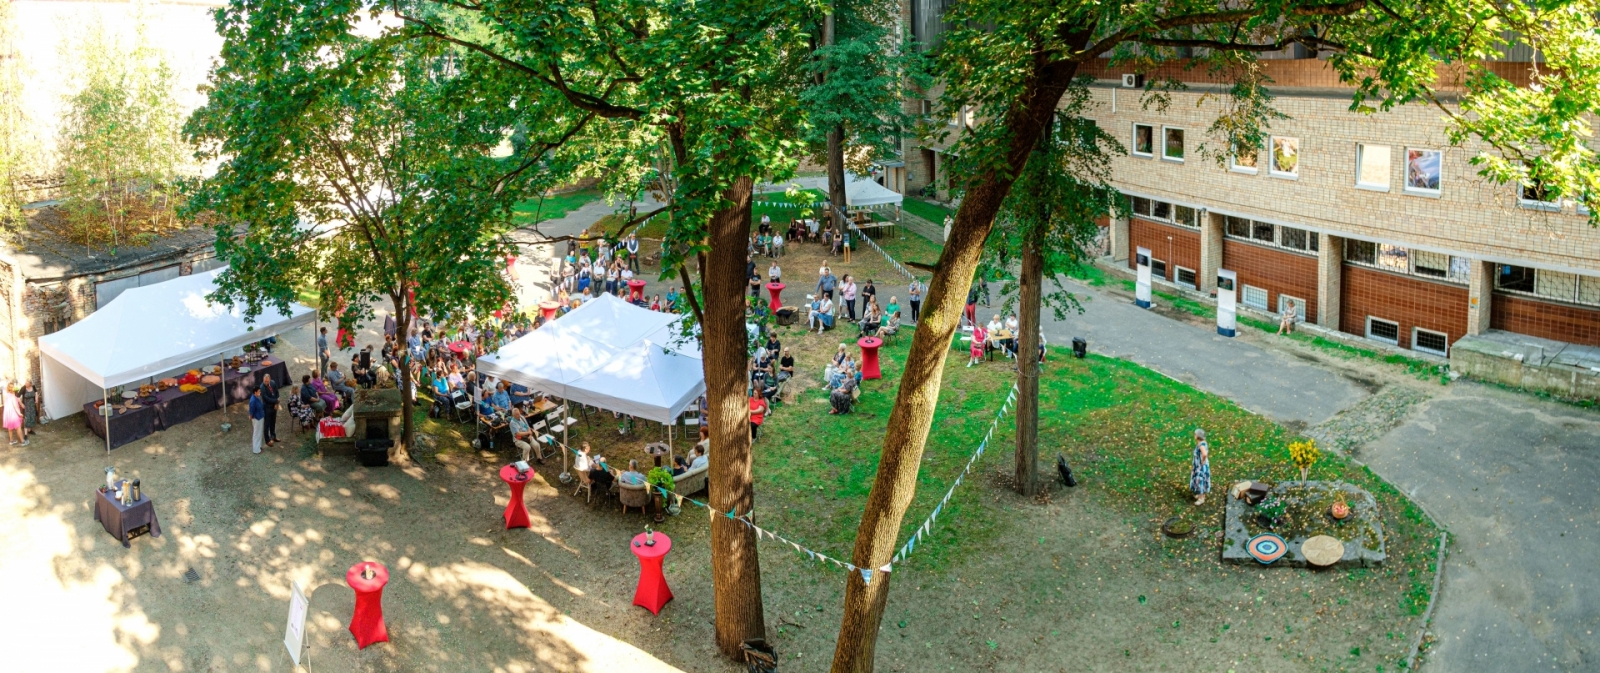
{"points": [[886, 568], [677, 499], [809, 553], [852, 567], [936, 509], [866, 575]]}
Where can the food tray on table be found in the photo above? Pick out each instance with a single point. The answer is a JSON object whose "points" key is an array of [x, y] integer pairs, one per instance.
{"points": [[210, 379]]}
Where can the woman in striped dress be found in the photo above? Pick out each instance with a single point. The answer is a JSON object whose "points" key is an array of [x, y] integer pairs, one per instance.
{"points": [[1200, 468]]}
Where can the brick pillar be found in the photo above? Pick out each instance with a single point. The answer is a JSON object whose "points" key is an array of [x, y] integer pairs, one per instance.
{"points": [[1480, 296], [1119, 239], [1330, 281], [1210, 251]]}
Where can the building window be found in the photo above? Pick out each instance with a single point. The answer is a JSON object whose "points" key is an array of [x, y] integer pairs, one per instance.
{"points": [[1158, 268], [1238, 227], [1285, 301], [1144, 140], [1386, 331], [927, 108], [1360, 252], [1161, 210], [1165, 211], [1244, 159], [1372, 167], [1171, 143], [1396, 259], [1432, 264], [1514, 278], [1141, 206], [1264, 232], [1297, 239], [1547, 284], [1285, 157], [1185, 216], [1422, 171], [1254, 297], [1186, 278], [1429, 341], [1536, 196]]}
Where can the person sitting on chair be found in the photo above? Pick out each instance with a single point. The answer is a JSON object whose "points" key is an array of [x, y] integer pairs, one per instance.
{"points": [[598, 474], [309, 397], [521, 435], [363, 375], [842, 399], [871, 319], [695, 461], [632, 475], [335, 380], [786, 366], [821, 314], [501, 398]]}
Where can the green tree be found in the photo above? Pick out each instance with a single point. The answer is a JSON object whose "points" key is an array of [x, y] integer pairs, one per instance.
{"points": [[1012, 61], [1046, 227], [358, 166], [119, 142], [16, 146]]}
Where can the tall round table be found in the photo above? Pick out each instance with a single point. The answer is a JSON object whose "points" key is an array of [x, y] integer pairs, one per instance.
{"points": [[776, 289], [460, 348], [652, 593], [869, 357], [548, 310], [367, 622], [516, 511], [635, 289]]}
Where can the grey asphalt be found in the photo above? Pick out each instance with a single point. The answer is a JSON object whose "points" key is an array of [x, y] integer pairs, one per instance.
{"points": [[1516, 481]]}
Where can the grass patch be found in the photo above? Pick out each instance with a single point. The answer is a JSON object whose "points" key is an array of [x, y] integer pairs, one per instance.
{"points": [[554, 206], [1090, 274], [1187, 305], [1424, 370], [926, 210], [309, 297], [907, 247]]}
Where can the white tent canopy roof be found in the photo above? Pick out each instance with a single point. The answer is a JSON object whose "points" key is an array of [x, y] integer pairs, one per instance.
{"points": [[863, 192], [146, 331], [610, 354]]}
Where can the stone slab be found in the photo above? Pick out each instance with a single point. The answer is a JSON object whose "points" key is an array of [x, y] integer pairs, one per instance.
{"points": [[1240, 526]]}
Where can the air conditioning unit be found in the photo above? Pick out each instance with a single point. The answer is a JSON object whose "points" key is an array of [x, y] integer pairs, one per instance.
{"points": [[1132, 81]]}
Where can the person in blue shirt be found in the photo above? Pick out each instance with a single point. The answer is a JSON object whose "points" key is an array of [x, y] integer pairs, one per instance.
{"points": [[520, 394], [501, 400], [258, 418]]}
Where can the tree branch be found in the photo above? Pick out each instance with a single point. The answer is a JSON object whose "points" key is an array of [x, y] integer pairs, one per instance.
{"points": [[1204, 19]]}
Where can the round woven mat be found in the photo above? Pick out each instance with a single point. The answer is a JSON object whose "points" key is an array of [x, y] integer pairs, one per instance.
{"points": [[1322, 550]]}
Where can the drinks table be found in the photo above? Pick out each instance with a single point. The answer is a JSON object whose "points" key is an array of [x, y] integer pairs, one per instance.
{"points": [[776, 289], [635, 289], [652, 593], [548, 310], [368, 578], [125, 522], [869, 357], [516, 511]]}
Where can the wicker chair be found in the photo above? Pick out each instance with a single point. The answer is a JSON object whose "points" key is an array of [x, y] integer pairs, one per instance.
{"points": [[633, 495]]}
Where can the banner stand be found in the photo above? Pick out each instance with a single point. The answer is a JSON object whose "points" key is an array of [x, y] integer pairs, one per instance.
{"points": [[1227, 303], [1142, 288]]}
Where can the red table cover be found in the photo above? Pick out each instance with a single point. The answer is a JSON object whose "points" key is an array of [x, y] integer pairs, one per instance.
{"points": [[636, 289], [776, 289], [548, 309], [516, 511], [869, 357], [367, 622], [652, 593]]}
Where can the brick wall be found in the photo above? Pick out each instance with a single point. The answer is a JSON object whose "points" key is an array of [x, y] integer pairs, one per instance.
{"points": [[1526, 315], [1407, 300], [1184, 250], [1275, 270]]}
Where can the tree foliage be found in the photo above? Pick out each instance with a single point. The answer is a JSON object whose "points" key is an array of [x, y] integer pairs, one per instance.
{"points": [[16, 143], [120, 145], [860, 83]]}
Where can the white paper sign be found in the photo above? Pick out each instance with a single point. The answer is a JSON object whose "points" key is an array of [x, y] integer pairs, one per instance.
{"points": [[1227, 307], [1142, 289], [294, 636]]}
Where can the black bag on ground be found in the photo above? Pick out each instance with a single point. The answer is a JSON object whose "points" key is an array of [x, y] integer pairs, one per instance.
{"points": [[1065, 470]]}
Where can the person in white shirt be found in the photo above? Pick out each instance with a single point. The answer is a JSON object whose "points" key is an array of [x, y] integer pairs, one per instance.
{"points": [[821, 316], [1011, 322], [633, 252], [994, 327], [777, 246], [775, 274]]}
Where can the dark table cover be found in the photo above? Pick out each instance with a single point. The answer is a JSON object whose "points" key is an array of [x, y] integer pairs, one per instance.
{"points": [[119, 520], [173, 406]]}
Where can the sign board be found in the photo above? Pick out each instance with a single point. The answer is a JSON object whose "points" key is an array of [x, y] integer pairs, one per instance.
{"points": [[294, 636], [1142, 289], [1227, 302]]}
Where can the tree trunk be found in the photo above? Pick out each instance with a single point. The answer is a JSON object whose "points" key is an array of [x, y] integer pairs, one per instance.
{"points": [[736, 569], [909, 422], [1028, 366], [836, 176], [401, 453]]}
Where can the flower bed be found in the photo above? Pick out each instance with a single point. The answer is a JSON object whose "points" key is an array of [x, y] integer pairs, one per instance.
{"points": [[1305, 515]]}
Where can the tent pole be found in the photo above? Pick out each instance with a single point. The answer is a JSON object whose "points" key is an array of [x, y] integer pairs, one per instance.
{"points": [[564, 431], [105, 402]]}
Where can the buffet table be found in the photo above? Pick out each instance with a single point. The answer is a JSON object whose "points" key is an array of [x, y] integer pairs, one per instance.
{"points": [[171, 407]]}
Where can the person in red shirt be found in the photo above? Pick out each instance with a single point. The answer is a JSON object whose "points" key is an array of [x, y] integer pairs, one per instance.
{"points": [[758, 413]]}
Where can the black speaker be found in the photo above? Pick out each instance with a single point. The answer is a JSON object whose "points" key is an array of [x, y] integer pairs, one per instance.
{"points": [[1080, 347], [373, 452], [1065, 471]]}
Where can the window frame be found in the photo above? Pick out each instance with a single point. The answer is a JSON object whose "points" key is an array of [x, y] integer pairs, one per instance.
{"points": [[1244, 293], [1235, 167], [1388, 174], [1418, 330], [1177, 273], [1133, 148], [1164, 267], [1531, 204], [1184, 143], [1272, 159], [1371, 319], [1405, 181]]}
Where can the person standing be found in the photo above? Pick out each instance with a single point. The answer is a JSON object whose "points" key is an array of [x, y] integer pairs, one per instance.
{"points": [[847, 294], [826, 282], [633, 252], [13, 417], [258, 418], [269, 403], [390, 326], [1200, 468], [322, 350], [914, 295]]}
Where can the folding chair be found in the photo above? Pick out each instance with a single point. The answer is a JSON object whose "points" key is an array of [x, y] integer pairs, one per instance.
{"points": [[586, 486], [559, 420], [463, 406], [539, 434]]}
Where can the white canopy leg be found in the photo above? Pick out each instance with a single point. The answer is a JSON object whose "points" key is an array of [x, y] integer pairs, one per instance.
{"points": [[105, 396]]}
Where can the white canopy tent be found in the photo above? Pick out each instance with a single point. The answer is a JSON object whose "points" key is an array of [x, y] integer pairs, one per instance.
{"points": [[864, 192], [144, 332], [609, 354]]}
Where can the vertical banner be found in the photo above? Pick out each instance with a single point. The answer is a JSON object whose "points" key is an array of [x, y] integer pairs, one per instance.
{"points": [[1142, 289], [1227, 306], [294, 636]]}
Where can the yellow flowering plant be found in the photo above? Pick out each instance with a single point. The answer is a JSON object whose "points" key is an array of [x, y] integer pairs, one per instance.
{"points": [[1304, 453]]}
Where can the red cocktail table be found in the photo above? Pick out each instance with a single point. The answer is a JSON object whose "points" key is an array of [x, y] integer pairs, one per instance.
{"points": [[652, 592], [516, 512], [776, 289], [548, 310], [460, 348], [635, 289], [367, 623], [869, 357]]}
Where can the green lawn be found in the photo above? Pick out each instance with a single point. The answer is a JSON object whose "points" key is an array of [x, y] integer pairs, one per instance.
{"points": [[926, 210], [553, 206]]}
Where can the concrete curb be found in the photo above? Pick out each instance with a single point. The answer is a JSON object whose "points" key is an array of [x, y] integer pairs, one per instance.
{"points": [[1433, 596]]}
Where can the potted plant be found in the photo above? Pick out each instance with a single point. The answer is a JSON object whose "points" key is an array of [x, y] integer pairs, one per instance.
{"points": [[1304, 453], [1340, 508], [659, 479], [1271, 510]]}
